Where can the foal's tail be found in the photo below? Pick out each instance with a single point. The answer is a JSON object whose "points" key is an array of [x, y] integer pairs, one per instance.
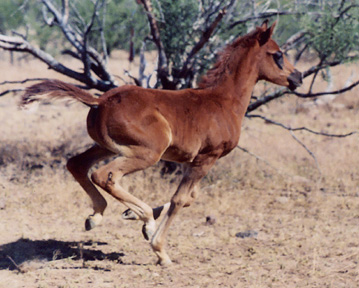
{"points": [[58, 89]]}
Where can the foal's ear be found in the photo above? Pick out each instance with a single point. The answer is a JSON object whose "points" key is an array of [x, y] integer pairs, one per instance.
{"points": [[264, 25], [266, 32]]}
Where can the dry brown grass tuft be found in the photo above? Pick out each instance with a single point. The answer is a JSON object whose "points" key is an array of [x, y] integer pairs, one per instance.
{"points": [[305, 221]]}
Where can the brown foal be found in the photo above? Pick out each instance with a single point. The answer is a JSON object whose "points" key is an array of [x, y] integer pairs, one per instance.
{"points": [[191, 126]]}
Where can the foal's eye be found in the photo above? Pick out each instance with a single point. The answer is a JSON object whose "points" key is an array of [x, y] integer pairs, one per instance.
{"points": [[278, 59]]}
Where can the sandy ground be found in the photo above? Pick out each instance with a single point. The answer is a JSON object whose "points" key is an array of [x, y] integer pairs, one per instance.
{"points": [[302, 217]]}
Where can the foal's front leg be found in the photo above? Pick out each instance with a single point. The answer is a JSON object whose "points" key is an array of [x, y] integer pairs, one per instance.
{"points": [[160, 211], [157, 213]]}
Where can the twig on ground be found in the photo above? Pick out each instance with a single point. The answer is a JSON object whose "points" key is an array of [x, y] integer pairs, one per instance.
{"points": [[18, 268]]}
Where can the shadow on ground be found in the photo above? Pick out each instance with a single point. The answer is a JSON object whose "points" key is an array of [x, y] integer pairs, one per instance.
{"points": [[12, 255]]}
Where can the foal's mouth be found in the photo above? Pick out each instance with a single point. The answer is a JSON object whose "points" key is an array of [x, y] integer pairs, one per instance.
{"points": [[295, 80]]}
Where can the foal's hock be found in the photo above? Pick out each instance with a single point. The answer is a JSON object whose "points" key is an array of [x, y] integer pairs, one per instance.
{"points": [[194, 127]]}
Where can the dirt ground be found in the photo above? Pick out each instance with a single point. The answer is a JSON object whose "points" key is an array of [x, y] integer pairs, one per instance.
{"points": [[301, 216]]}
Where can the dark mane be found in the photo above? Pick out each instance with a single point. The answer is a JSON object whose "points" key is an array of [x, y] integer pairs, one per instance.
{"points": [[224, 59]]}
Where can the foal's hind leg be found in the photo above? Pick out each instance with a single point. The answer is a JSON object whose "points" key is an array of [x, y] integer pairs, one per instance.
{"points": [[108, 177], [79, 166]]}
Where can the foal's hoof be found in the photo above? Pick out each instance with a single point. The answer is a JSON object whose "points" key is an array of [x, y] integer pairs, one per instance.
{"points": [[89, 224], [148, 230], [164, 262], [130, 215], [145, 233], [92, 221]]}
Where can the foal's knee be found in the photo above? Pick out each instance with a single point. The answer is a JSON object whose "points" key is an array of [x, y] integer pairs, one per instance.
{"points": [[95, 177], [104, 180], [182, 201], [191, 197]]}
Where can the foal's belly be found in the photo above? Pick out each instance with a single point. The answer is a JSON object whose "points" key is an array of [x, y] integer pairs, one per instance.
{"points": [[176, 154]]}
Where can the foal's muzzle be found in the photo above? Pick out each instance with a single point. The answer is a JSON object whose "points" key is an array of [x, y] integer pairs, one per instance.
{"points": [[295, 80]]}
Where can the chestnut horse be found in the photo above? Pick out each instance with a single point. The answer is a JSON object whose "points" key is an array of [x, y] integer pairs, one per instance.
{"points": [[194, 127]]}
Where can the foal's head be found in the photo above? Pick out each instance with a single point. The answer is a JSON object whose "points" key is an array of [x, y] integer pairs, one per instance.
{"points": [[273, 64]]}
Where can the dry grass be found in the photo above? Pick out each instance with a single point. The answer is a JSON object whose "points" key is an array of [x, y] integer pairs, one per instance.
{"points": [[307, 222]]}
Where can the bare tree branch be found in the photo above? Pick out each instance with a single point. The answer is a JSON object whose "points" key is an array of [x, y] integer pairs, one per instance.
{"points": [[199, 45], [342, 12], [259, 158], [85, 55], [102, 34], [76, 41], [282, 91], [65, 10], [267, 98], [267, 120], [264, 15], [325, 65], [11, 91], [335, 92], [293, 40], [162, 67], [307, 149], [48, 21], [21, 45], [79, 40], [23, 81], [292, 130]]}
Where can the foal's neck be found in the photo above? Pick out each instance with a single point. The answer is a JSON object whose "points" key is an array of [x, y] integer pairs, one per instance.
{"points": [[241, 79]]}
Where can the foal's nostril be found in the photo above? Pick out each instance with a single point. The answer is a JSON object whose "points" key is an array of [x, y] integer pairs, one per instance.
{"points": [[295, 79], [300, 76]]}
